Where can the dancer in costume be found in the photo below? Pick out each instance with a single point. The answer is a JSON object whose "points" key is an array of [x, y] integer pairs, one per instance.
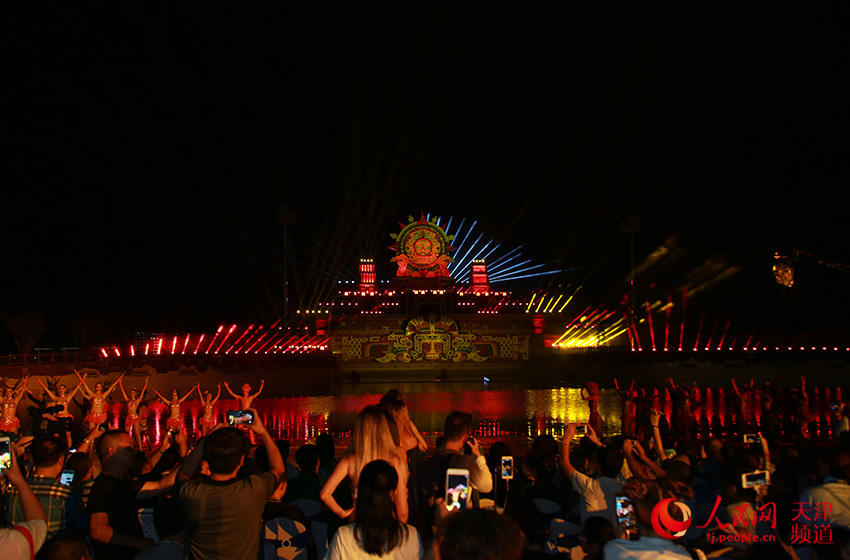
{"points": [[175, 421], [97, 413], [746, 403], [208, 419], [628, 396], [131, 421], [592, 399], [62, 398], [245, 400], [9, 422], [684, 399]]}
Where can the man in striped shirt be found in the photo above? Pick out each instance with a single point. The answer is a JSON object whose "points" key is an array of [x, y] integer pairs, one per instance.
{"points": [[64, 508]]}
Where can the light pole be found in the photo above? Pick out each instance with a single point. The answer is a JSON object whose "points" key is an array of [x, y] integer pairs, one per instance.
{"points": [[631, 225], [285, 215]]}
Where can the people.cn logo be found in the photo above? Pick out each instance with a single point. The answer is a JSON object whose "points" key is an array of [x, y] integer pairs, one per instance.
{"points": [[665, 525]]}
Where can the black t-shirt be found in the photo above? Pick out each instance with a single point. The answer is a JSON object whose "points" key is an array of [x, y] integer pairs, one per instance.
{"points": [[117, 499]]}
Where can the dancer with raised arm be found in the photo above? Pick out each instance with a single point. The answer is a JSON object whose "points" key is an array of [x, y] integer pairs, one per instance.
{"points": [[10, 399], [684, 398], [175, 420], [131, 421], [592, 399], [97, 413], [208, 419], [746, 402], [63, 398], [245, 400], [627, 395]]}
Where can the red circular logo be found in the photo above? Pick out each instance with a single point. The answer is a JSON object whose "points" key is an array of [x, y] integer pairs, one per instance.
{"points": [[665, 525]]}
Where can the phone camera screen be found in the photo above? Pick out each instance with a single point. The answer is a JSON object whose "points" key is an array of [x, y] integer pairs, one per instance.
{"points": [[457, 491]]}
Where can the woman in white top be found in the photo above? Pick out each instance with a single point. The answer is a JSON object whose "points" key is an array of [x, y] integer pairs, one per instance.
{"points": [[371, 440], [376, 533]]}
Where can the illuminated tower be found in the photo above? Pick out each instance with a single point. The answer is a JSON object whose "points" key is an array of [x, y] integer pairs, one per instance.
{"points": [[367, 276], [480, 281]]}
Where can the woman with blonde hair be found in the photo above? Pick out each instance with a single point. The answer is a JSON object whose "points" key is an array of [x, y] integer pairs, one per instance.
{"points": [[371, 441]]}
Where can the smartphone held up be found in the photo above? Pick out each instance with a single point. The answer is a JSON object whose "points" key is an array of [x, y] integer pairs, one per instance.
{"points": [[239, 418], [5, 453], [457, 489], [507, 467]]}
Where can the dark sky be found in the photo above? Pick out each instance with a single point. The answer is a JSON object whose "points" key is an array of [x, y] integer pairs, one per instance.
{"points": [[147, 147]]}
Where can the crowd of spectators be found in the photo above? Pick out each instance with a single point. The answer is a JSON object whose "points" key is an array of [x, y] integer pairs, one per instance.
{"points": [[654, 492]]}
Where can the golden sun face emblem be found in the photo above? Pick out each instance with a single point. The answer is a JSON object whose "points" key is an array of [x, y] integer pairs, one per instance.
{"points": [[422, 249]]}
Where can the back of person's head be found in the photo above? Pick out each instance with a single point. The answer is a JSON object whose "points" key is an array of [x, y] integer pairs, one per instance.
{"points": [[168, 518], [106, 441], [398, 409], [730, 455], [535, 527], [582, 458], [392, 394], [733, 487], [752, 458], [645, 495], [307, 457], [325, 443], [498, 450], [64, 547], [457, 425], [689, 450], [714, 449], [80, 463], [386, 402], [679, 471], [262, 456], [372, 437], [543, 468], [595, 532], [546, 446], [477, 534], [170, 458], [610, 461], [378, 528], [139, 466], [224, 449], [47, 451]]}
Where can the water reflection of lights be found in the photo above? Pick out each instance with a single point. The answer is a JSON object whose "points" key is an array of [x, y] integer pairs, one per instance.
{"points": [[497, 413]]}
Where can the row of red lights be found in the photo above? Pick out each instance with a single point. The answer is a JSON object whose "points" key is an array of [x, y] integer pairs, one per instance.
{"points": [[280, 342], [436, 292]]}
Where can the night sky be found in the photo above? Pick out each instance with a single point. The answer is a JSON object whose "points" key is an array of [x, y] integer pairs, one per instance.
{"points": [[146, 148]]}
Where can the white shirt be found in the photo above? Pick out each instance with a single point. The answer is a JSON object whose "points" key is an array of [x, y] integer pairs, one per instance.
{"points": [[645, 548], [344, 547], [597, 496], [13, 543], [836, 493]]}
